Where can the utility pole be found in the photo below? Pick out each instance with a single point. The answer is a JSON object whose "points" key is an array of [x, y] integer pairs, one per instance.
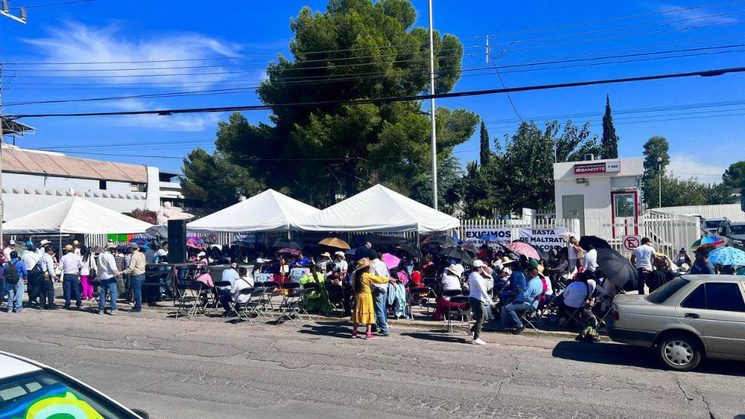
{"points": [[432, 104], [21, 18], [659, 182]]}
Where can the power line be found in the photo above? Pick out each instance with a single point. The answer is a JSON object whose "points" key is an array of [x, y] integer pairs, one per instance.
{"points": [[468, 93]]}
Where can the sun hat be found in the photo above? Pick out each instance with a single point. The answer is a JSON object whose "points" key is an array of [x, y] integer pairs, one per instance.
{"points": [[326, 254], [68, 247], [506, 260], [362, 264], [478, 263], [340, 253], [457, 270], [44, 243]]}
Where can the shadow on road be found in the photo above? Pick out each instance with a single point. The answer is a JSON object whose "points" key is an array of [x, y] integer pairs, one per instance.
{"points": [[627, 355], [437, 337], [327, 330]]}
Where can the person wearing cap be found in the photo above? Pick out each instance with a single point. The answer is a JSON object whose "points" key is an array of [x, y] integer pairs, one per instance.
{"points": [[106, 274], [136, 269], [702, 265], [9, 248], [516, 281], [50, 277], [71, 265], [478, 297], [341, 264], [364, 310], [682, 258], [524, 302]]}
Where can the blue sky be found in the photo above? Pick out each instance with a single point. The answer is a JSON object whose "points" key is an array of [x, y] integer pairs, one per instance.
{"points": [[701, 117]]}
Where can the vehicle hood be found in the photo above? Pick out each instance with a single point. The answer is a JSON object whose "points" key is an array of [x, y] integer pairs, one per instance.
{"points": [[737, 237]]}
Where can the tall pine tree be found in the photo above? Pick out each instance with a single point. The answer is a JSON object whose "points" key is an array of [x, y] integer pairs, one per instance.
{"points": [[609, 140], [485, 153]]}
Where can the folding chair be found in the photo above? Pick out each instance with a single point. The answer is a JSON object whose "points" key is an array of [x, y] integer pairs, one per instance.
{"points": [[220, 287], [92, 303], [290, 306], [252, 306], [189, 299], [307, 290], [335, 297], [421, 296], [531, 317], [455, 297]]}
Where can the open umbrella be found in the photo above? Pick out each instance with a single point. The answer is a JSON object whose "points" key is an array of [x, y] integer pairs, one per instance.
{"points": [[618, 269], [444, 241], [410, 249], [139, 240], [454, 252], [491, 238], [390, 260], [195, 243], [470, 247], [711, 241], [287, 244], [335, 242], [727, 256], [595, 241], [524, 249], [289, 251]]}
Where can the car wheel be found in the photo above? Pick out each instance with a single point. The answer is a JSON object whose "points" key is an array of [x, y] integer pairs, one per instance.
{"points": [[679, 352]]}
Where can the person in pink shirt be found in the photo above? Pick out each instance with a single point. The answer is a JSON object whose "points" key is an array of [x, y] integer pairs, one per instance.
{"points": [[204, 277]]}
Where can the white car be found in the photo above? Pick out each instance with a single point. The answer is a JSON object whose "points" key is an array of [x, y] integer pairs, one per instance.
{"points": [[29, 389]]}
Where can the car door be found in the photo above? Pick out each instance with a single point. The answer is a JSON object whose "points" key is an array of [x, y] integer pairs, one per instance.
{"points": [[717, 311]]}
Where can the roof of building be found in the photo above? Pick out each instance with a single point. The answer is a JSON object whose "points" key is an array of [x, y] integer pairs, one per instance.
{"points": [[16, 160]]}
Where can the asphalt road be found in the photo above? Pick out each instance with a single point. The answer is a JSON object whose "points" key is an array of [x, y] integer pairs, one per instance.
{"points": [[179, 368]]}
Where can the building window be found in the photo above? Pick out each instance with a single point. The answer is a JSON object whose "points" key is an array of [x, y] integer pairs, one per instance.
{"points": [[102, 185]]}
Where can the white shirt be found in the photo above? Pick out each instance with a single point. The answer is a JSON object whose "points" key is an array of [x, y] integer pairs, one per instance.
{"points": [[591, 260], [85, 270], [229, 275], [30, 259], [575, 294], [572, 252], [47, 264], [549, 287], [71, 263], [379, 268], [477, 284], [643, 257], [6, 252], [450, 282], [239, 285], [342, 265], [106, 266]]}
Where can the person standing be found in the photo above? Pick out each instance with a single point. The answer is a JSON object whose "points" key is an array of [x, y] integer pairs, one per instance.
{"points": [[702, 266], [87, 272], [575, 253], [136, 269], [35, 274], [107, 273], [50, 277], [71, 265], [590, 262], [363, 308], [477, 298], [643, 259], [9, 248], [380, 293], [15, 275]]}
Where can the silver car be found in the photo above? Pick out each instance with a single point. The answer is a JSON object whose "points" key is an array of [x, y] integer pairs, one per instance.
{"points": [[688, 318]]}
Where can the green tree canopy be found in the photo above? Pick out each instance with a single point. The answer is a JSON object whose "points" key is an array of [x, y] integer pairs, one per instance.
{"points": [[734, 176], [316, 151], [656, 158], [484, 151], [609, 140]]}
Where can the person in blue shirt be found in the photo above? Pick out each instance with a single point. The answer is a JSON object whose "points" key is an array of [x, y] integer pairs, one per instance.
{"points": [[516, 282], [525, 302], [702, 266], [15, 274]]}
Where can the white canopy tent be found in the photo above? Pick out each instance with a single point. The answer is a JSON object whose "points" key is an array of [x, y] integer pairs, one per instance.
{"points": [[378, 209], [75, 216], [267, 211]]}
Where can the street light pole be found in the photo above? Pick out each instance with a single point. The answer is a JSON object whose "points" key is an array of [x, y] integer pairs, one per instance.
{"points": [[659, 182], [432, 104]]}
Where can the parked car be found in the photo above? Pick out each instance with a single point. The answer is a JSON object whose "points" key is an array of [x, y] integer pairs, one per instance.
{"points": [[733, 234], [710, 227], [29, 389], [690, 317]]}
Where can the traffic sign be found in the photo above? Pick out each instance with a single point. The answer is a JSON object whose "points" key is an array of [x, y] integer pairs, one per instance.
{"points": [[631, 242]]}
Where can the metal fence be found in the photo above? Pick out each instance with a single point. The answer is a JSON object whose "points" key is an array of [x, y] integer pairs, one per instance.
{"points": [[571, 224]]}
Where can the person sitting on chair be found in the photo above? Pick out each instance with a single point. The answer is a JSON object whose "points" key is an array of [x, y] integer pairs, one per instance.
{"points": [[574, 296], [450, 282], [525, 302], [516, 282]]}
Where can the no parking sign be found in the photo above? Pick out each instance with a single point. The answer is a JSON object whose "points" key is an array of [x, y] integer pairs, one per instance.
{"points": [[631, 242]]}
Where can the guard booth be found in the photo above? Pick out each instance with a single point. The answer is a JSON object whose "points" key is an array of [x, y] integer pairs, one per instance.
{"points": [[603, 194]]}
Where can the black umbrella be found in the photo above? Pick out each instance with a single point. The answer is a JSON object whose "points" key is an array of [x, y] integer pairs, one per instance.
{"points": [[618, 269], [444, 241], [410, 250], [287, 244], [595, 241], [455, 253]]}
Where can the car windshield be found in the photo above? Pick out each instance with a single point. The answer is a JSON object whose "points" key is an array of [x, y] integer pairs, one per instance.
{"points": [[713, 224], [46, 394], [661, 294], [737, 229]]}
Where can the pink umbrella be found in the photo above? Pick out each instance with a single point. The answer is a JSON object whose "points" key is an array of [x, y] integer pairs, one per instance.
{"points": [[390, 260], [524, 249]]}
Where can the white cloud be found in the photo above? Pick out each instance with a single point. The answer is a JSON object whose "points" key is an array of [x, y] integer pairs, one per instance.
{"points": [[684, 17], [78, 43], [687, 166]]}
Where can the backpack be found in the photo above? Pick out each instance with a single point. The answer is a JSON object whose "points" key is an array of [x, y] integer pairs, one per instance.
{"points": [[11, 273]]}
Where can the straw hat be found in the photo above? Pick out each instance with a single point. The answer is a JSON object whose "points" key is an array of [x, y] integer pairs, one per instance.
{"points": [[457, 270], [362, 264], [326, 254], [506, 261], [44, 243], [340, 253]]}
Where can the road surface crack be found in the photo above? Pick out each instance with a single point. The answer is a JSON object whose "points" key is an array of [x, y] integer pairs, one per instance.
{"points": [[706, 403], [688, 398]]}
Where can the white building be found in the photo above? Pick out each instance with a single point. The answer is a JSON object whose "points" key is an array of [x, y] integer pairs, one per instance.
{"points": [[32, 180], [603, 194]]}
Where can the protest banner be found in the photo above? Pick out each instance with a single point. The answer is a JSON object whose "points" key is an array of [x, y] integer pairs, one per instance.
{"points": [[545, 238], [501, 234]]}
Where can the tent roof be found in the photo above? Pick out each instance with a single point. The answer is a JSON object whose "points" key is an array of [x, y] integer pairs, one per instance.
{"points": [[378, 209], [267, 211], [75, 216]]}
